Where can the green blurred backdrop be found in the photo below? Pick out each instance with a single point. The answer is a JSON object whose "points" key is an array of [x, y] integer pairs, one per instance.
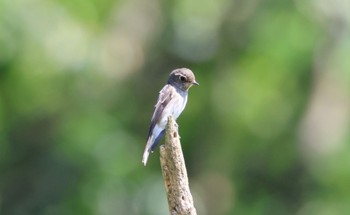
{"points": [[266, 132]]}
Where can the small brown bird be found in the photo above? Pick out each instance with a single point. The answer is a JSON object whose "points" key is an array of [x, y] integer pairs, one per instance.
{"points": [[171, 102]]}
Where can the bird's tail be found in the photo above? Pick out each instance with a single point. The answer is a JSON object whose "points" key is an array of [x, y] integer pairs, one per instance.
{"points": [[148, 149]]}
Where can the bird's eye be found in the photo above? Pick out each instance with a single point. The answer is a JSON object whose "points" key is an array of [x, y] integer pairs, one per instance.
{"points": [[182, 78]]}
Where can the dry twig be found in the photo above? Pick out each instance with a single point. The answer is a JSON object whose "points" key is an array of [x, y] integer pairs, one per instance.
{"points": [[174, 171]]}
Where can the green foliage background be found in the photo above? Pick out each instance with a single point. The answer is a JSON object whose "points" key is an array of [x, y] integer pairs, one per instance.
{"points": [[266, 132]]}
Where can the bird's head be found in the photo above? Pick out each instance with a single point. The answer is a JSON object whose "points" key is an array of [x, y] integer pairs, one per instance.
{"points": [[182, 78]]}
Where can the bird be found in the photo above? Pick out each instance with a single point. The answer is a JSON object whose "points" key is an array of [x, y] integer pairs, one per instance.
{"points": [[171, 101]]}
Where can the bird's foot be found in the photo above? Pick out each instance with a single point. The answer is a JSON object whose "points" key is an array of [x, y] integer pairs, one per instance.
{"points": [[177, 129]]}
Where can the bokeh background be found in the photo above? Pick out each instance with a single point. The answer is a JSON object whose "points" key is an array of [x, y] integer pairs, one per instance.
{"points": [[266, 132]]}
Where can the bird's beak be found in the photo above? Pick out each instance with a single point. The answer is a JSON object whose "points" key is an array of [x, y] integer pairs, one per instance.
{"points": [[195, 83]]}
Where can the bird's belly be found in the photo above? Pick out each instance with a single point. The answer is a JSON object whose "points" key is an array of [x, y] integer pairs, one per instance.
{"points": [[177, 111], [174, 109]]}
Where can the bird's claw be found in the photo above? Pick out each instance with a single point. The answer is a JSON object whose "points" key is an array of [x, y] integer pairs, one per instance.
{"points": [[177, 129]]}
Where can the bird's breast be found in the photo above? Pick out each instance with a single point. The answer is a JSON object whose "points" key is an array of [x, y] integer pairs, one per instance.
{"points": [[180, 106], [174, 108]]}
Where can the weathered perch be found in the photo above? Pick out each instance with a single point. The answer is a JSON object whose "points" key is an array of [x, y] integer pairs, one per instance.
{"points": [[174, 171]]}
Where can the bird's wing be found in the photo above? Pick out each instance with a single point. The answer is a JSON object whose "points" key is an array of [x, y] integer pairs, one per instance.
{"points": [[165, 95]]}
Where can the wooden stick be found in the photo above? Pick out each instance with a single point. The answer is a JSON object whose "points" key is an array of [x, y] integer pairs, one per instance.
{"points": [[174, 171]]}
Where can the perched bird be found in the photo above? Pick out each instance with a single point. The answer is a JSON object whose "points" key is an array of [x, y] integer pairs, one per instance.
{"points": [[171, 102]]}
